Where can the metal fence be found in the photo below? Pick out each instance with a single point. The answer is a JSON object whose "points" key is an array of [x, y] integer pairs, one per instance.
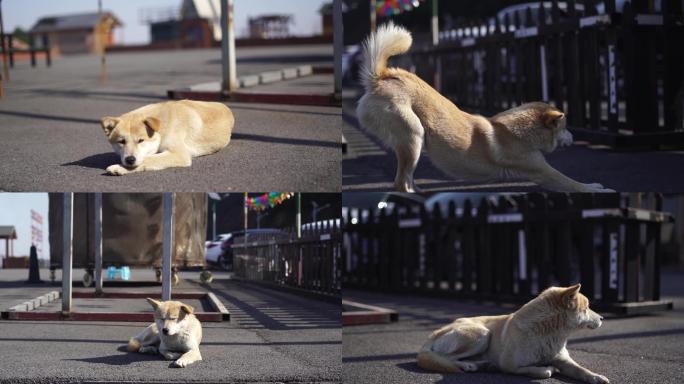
{"points": [[310, 262], [32, 50], [617, 74], [511, 249]]}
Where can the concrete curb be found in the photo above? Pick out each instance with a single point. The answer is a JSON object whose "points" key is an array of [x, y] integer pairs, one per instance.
{"points": [[32, 304]]}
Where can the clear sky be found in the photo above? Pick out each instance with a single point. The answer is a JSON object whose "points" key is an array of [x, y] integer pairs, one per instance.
{"points": [[15, 209], [24, 13]]}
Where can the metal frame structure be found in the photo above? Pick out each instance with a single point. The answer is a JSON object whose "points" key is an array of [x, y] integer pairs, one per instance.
{"points": [[25, 311]]}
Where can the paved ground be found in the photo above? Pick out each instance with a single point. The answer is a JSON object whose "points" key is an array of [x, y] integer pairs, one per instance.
{"points": [[272, 337], [368, 166], [52, 141], [643, 349]]}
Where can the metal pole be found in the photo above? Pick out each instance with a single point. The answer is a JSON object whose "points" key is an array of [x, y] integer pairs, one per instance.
{"points": [[213, 219], [299, 215], [299, 236], [338, 42], [5, 66], [435, 22], [167, 246], [67, 256], [228, 59], [98, 243], [373, 15], [101, 39], [245, 212]]}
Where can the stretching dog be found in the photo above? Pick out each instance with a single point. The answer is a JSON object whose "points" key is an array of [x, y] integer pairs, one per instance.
{"points": [[405, 112], [168, 134], [180, 337], [530, 341]]}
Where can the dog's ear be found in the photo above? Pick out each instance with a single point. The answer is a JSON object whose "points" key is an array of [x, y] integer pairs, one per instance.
{"points": [[570, 294], [154, 303], [187, 309], [108, 124], [152, 124], [552, 118]]}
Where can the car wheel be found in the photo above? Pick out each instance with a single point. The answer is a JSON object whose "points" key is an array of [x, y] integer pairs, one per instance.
{"points": [[225, 261]]}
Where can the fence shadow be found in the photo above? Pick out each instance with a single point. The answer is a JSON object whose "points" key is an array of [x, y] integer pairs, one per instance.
{"points": [[283, 140], [261, 308]]}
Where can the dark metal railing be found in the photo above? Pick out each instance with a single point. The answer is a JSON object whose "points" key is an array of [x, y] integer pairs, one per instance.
{"points": [[311, 262], [618, 75], [511, 249]]}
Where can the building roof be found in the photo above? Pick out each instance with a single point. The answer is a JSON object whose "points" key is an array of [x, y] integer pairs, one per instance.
{"points": [[8, 231], [70, 22]]}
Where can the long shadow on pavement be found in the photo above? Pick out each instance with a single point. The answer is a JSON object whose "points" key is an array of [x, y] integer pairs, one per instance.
{"points": [[125, 359], [50, 117], [284, 140], [98, 161], [259, 308]]}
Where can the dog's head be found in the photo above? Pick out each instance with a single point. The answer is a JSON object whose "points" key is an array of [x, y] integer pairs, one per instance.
{"points": [[170, 315], [575, 305], [132, 139], [554, 123]]}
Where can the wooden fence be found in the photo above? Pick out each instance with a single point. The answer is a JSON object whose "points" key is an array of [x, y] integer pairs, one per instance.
{"points": [[511, 249], [310, 262], [618, 75]]}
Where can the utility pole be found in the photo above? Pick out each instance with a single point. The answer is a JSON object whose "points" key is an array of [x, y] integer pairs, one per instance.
{"points": [[338, 43], [373, 15], [101, 37], [228, 60], [5, 66], [435, 22]]}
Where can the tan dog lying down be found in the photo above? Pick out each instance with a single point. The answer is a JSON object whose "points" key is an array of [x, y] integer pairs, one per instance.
{"points": [[530, 341], [180, 337], [168, 134]]}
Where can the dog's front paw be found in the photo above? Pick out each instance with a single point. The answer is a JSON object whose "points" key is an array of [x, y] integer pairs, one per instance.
{"points": [[183, 362], [596, 188], [149, 349], [117, 170], [599, 379], [171, 355]]}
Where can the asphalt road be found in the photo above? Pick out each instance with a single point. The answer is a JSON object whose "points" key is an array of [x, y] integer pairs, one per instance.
{"points": [[369, 166], [642, 349], [272, 337], [52, 141]]}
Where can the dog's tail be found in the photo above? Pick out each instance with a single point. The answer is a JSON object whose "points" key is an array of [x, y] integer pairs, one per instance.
{"points": [[133, 345], [434, 361], [389, 40]]}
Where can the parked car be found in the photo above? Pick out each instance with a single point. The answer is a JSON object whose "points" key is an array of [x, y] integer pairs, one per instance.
{"points": [[213, 249]]}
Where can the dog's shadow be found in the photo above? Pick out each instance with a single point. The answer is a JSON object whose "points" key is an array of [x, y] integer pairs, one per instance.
{"points": [[482, 377], [125, 359], [99, 161]]}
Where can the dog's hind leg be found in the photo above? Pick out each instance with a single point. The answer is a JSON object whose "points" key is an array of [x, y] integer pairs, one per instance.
{"points": [[146, 341], [461, 342], [398, 127]]}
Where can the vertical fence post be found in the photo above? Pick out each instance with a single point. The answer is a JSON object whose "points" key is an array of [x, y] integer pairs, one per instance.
{"points": [[167, 246], [5, 67], [98, 243], [67, 250]]}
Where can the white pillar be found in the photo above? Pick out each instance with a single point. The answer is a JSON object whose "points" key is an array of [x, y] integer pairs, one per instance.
{"points": [[98, 243], [167, 246], [67, 251], [228, 59]]}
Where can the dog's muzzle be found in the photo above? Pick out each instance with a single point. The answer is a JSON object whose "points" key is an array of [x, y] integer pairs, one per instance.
{"points": [[165, 331], [565, 139]]}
